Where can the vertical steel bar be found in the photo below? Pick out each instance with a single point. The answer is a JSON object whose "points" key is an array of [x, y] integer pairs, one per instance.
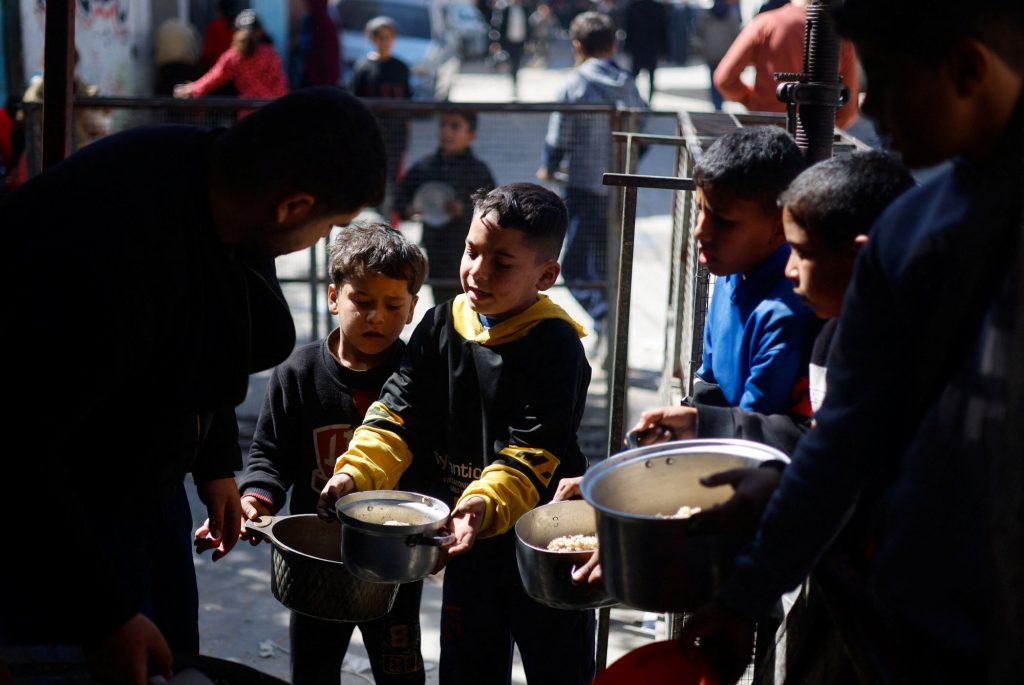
{"points": [[58, 77], [620, 349], [603, 625]]}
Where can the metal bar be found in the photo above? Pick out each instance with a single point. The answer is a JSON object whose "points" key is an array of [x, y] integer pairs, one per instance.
{"points": [[619, 351], [58, 75], [641, 181], [603, 625], [651, 138]]}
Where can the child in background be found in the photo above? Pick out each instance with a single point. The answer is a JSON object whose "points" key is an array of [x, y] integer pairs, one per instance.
{"points": [[251, 63], [495, 381], [382, 75], [455, 164], [314, 401], [585, 141]]}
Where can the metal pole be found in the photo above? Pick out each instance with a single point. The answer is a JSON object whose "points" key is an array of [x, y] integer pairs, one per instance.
{"points": [[58, 79]]}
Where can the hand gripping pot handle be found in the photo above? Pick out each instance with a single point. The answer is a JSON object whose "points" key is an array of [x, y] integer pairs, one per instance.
{"points": [[430, 540]]}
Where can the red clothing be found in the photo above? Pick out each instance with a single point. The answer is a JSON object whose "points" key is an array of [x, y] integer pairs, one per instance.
{"points": [[217, 40], [774, 42], [258, 76]]}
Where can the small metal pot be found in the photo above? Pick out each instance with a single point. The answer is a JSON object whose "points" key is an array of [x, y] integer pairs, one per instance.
{"points": [[651, 562], [308, 575], [547, 575], [391, 536]]}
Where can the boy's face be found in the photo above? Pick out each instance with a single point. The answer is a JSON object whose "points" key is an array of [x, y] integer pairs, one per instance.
{"points": [[734, 235], [913, 104], [372, 310], [501, 273], [820, 273], [454, 134], [383, 41]]}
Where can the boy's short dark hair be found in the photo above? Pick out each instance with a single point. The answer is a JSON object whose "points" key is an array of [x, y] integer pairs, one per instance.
{"points": [[378, 23], [754, 163], [361, 248], [594, 31], [840, 198], [318, 140], [927, 29], [467, 115], [530, 208]]}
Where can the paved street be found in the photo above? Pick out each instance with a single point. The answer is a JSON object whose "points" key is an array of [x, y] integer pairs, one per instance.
{"points": [[240, 620]]}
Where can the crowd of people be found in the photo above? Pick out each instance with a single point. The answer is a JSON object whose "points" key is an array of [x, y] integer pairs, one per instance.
{"points": [[869, 326]]}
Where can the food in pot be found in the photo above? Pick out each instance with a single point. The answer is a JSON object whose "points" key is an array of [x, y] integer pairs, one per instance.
{"points": [[684, 512], [395, 523], [573, 543]]}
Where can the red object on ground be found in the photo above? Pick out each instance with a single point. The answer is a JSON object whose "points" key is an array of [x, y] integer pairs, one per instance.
{"points": [[653, 664]]}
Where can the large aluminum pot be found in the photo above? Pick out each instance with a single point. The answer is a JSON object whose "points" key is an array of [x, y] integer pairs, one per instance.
{"points": [[391, 536], [308, 575], [651, 562], [547, 575]]}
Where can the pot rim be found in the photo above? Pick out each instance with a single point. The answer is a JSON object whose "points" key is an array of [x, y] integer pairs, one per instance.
{"points": [[267, 531], [390, 496], [532, 513], [724, 446]]}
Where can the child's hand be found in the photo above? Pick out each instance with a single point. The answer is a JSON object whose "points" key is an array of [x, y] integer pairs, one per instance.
{"points": [[252, 509], [466, 521], [338, 486], [567, 489], [666, 423], [223, 526], [543, 174]]}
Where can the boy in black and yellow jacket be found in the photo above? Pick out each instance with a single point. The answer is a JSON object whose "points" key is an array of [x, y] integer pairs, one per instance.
{"points": [[495, 382]]}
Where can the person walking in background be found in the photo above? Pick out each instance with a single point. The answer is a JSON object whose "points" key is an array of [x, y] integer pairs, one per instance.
{"points": [[586, 141], [511, 26], [251, 63], [717, 28], [316, 60], [217, 40], [773, 42], [382, 75], [543, 25], [646, 25]]}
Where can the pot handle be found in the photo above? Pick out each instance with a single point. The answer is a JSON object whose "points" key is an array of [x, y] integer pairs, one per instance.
{"points": [[262, 527], [430, 540]]}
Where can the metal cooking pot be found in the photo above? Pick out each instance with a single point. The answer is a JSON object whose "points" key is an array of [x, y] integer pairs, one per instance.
{"points": [[390, 535], [308, 575], [650, 562], [547, 575]]}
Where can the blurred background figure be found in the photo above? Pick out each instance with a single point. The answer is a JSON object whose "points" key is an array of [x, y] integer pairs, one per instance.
{"points": [[217, 40], [543, 26], [316, 60], [511, 29], [251, 64], [717, 28], [646, 25], [773, 42], [89, 123], [382, 75], [177, 55]]}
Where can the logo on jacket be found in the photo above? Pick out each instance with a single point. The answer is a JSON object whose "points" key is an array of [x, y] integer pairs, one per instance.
{"points": [[329, 443]]}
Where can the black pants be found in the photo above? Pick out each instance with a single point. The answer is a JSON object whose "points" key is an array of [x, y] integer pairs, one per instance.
{"points": [[392, 643], [485, 609]]}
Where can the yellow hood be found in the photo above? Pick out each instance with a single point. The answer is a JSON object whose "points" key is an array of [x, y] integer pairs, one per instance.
{"points": [[467, 323]]}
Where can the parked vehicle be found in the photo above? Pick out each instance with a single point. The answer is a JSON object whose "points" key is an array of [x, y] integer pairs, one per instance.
{"points": [[424, 42]]}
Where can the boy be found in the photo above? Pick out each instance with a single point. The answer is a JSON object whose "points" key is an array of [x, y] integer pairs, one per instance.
{"points": [[314, 401], [454, 164], [494, 382], [945, 78], [170, 233], [587, 141], [826, 213], [757, 330], [382, 75]]}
